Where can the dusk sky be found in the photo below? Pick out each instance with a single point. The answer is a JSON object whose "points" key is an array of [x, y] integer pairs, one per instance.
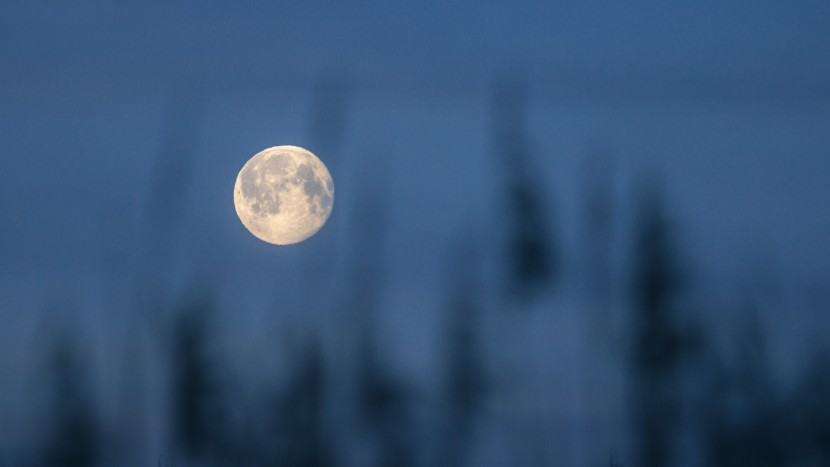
{"points": [[732, 101], [727, 104]]}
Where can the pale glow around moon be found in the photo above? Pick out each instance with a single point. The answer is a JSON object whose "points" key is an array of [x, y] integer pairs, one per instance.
{"points": [[283, 195]]}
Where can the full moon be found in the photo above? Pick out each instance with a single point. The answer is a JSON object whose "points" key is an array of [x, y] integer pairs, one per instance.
{"points": [[283, 195]]}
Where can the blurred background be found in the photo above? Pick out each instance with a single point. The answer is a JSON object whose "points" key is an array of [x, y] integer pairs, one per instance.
{"points": [[564, 234]]}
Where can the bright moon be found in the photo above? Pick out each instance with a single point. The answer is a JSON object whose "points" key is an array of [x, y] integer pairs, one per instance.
{"points": [[283, 195]]}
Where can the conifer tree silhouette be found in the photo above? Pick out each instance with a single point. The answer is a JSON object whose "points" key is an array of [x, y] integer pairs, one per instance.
{"points": [[531, 260], [658, 341], [74, 440]]}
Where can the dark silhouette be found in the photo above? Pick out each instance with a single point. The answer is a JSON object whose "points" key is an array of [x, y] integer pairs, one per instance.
{"points": [[812, 412], [750, 419], [382, 400], [532, 263], [659, 342], [464, 377], [383, 405], [303, 439], [73, 436], [745, 420], [198, 405]]}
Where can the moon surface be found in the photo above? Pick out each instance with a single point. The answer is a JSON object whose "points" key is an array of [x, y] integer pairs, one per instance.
{"points": [[283, 195]]}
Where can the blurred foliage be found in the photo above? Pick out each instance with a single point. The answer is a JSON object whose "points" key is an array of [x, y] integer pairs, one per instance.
{"points": [[341, 400], [532, 263], [657, 337], [73, 438]]}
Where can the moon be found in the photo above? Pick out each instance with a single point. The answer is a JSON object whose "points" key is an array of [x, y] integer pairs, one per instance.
{"points": [[283, 195]]}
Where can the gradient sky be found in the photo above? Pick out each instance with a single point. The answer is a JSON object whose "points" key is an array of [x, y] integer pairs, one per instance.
{"points": [[728, 101], [732, 101]]}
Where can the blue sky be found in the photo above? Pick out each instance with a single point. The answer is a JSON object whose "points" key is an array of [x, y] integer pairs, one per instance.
{"points": [[93, 79], [729, 101]]}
